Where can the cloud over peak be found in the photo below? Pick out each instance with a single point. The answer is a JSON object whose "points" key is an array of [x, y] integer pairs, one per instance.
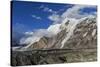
{"points": [[35, 35], [73, 12]]}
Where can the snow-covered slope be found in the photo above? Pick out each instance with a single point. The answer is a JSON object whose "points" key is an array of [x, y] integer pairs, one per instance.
{"points": [[70, 28]]}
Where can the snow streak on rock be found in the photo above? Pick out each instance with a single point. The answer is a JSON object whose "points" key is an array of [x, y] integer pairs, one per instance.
{"points": [[70, 28]]}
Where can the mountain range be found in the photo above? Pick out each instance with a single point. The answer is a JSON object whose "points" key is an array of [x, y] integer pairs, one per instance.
{"points": [[69, 34]]}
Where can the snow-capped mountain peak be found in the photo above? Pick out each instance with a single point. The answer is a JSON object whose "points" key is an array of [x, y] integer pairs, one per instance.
{"points": [[71, 33]]}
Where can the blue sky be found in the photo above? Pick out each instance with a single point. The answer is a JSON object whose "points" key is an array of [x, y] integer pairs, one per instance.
{"points": [[24, 14], [30, 16]]}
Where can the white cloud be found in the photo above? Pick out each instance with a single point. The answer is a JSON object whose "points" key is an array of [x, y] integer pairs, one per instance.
{"points": [[35, 36], [74, 12], [42, 32], [52, 11], [36, 17], [28, 33], [54, 17], [29, 40], [46, 9]]}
